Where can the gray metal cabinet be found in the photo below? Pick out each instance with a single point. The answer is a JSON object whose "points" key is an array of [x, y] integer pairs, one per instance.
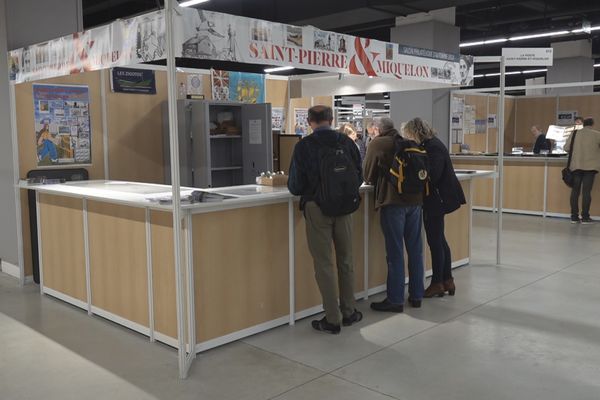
{"points": [[224, 144]]}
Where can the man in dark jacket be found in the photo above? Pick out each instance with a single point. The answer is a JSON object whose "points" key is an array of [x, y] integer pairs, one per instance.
{"points": [[322, 230]]}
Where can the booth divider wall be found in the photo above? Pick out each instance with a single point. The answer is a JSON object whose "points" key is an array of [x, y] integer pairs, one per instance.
{"points": [[133, 131]]}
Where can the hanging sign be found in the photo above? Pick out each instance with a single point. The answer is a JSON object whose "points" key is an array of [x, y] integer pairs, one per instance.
{"points": [[528, 56], [209, 35], [136, 81]]}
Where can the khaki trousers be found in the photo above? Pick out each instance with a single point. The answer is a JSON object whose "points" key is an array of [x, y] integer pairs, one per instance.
{"points": [[321, 231]]}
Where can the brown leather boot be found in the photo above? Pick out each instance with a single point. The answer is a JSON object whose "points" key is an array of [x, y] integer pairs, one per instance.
{"points": [[450, 287], [435, 290]]}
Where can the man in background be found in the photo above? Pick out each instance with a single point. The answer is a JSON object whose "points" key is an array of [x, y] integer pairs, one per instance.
{"points": [[541, 143], [372, 131], [585, 164]]}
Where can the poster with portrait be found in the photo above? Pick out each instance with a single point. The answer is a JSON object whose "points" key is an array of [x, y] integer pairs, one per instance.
{"points": [[62, 124]]}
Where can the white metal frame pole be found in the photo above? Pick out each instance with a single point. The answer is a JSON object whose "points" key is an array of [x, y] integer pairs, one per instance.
{"points": [[500, 192], [175, 184]]}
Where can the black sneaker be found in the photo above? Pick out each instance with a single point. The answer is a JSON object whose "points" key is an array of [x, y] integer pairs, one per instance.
{"points": [[388, 306], [324, 326], [414, 303], [575, 220], [587, 221], [354, 318]]}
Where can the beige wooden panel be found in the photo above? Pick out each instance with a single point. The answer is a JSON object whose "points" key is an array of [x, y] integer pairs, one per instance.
{"points": [[304, 102], [483, 189], [241, 269], [26, 234], [323, 100], [586, 106], [509, 124], [524, 186], [558, 200], [27, 143], [481, 104], [455, 148], [458, 227], [377, 257], [477, 142], [287, 143], [163, 270], [531, 111], [277, 92], [307, 291], [118, 268], [63, 256], [135, 133]]}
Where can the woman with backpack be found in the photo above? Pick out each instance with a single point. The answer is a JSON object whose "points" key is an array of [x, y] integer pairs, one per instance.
{"points": [[445, 196]]}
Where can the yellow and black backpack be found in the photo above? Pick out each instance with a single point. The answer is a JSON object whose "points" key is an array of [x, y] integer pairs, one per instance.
{"points": [[409, 173]]}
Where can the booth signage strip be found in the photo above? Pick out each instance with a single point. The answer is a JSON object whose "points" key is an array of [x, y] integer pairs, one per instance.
{"points": [[216, 36]]}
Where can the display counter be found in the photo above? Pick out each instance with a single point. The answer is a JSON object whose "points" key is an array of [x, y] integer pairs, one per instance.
{"points": [[532, 185], [107, 247]]}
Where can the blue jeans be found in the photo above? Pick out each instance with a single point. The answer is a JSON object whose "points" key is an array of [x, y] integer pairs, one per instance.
{"points": [[402, 225], [48, 149]]}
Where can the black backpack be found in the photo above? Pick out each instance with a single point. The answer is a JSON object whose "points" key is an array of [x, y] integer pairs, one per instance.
{"points": [[409, 173], [339, 181]]}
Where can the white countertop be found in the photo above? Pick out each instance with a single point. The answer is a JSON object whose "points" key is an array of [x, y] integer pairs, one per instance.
{"points": [[145, 195], [524, 159]]}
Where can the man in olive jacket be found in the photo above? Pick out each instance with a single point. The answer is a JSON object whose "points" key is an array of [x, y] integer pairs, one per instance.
{"points": [[400, 223], [585, 164]]}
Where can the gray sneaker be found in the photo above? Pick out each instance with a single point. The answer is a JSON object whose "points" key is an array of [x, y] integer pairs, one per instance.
{"points": [[587, 221]]}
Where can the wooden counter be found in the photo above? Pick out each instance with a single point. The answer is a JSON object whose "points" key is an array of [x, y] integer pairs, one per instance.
{"points": [[532, 185], [250, 262]]}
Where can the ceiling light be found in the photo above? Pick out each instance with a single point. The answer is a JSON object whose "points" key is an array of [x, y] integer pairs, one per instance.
{"points": [[190, 3], [493, 74], [278, 69], [539, 35], [479, 76], [501, 40], [471, 44], [534, 71], [581, 30], [596, 65]]}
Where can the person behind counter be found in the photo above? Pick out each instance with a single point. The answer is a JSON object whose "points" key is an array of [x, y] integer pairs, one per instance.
{"points": [[585, 164], [541, 143], [400, 223], [446, 196], [321, 230], [348, 130]]}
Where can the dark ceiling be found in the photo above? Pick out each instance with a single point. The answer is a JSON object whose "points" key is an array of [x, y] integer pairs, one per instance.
{"points": [[478, 19]]}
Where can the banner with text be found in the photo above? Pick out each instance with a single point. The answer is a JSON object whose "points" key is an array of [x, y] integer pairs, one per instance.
{"points": [[215, 36]]}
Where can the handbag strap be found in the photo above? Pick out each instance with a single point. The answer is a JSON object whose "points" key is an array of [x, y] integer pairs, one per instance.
{"points": [[571, 149]]}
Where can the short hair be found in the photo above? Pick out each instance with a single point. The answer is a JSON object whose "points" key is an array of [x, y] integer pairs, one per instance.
{"points": [[348, 129], [320, 113], [385, 124], [420, 129], [578, 119], [588, 121], [371, 124]]}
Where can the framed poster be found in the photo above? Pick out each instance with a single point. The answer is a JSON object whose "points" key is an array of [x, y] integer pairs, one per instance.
{"points": [[301, 121], [62, 124], [277, 118]]}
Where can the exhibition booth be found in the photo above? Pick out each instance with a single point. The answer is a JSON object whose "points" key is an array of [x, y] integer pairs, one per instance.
{"points": [[169, 236], [533, 183]]}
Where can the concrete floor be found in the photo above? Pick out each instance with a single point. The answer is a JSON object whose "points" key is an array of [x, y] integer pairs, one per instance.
{"points": [[527, 330]]}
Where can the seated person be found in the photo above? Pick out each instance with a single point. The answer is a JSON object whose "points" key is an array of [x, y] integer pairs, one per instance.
{"points": [[541, 143]]}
